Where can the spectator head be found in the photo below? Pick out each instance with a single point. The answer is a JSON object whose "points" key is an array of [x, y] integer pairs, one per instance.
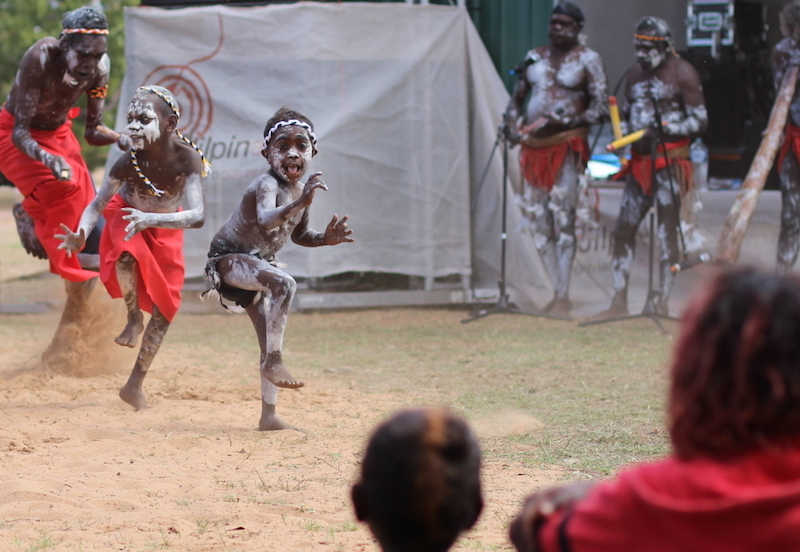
{"points": [[419, 486], [735, 377]]}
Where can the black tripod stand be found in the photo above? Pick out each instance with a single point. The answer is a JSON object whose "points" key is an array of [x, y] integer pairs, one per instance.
{"points": [[503, 305], [650, 309]]}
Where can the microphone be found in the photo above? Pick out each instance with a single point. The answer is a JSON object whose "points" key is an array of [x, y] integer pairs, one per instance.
{"points": [[523, 65], [689, 263]]}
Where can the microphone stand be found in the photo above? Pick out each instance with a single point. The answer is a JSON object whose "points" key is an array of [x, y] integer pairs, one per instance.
{"points": [[503, 305]]}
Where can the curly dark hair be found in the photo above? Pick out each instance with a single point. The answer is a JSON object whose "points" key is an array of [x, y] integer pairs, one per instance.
{"points": [[420, 482], [736, 369], [284, 114], [83, 18]]}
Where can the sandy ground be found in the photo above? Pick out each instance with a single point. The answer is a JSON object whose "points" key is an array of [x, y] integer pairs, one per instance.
{"points": [[79, 470]]}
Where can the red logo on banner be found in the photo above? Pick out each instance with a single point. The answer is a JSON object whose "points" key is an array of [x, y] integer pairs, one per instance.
{"points": [[191, 91]]}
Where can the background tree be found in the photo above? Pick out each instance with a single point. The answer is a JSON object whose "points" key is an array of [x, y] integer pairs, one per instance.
{"points": [[25, 21]]}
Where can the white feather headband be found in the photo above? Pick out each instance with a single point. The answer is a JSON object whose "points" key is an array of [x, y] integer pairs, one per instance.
{"points": [[290, 122]]}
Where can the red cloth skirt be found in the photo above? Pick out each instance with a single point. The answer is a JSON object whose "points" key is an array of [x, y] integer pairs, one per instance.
{"points": [[48, 200], [540, 166], [642, 168], [159, 256], [791, 140]]}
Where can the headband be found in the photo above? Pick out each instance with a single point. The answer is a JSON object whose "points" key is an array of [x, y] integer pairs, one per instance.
{"points": [[652, 38], [290, 122], [86, 31], [174, 107]]}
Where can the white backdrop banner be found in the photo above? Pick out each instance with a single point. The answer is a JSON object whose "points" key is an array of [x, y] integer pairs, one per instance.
{"points": [[405, 101]]}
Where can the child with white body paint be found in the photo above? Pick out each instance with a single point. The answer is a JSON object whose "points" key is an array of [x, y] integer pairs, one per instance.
{"points": [[141, 247], [242, 265]]}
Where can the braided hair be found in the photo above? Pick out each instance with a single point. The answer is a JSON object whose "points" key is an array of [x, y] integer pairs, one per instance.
{"points": [[419, 486]]}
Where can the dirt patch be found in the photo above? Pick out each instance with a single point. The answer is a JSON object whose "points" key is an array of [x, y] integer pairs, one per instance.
{"points": [[82, 471]]}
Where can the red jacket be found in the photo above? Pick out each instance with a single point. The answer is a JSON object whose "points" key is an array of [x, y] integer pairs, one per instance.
{"points": [[748, 505]]}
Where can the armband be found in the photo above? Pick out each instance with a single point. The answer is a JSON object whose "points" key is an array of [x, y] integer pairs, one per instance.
{"points": [[98, 92]]}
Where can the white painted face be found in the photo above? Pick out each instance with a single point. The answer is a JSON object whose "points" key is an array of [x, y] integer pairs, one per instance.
{"points": [[289, 152], [650, 54], [143, 122]]}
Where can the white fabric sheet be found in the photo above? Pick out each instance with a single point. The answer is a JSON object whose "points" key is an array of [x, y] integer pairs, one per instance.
{"points": [[405, 101]]}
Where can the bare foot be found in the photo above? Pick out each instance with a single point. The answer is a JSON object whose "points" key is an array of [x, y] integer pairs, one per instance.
{"points": [[609, 313], [280, 377], [269, 421], [130, 335], [133, 395], [559, 307]]}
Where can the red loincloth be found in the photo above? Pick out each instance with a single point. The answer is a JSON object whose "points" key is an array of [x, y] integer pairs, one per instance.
{"points": [[159, 256], [48, 200], [791, 140], [540, 166], [641, 167], [702, 505]]}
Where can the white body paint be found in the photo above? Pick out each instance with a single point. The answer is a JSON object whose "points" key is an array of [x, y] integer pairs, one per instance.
{"points": [[142, 134]]}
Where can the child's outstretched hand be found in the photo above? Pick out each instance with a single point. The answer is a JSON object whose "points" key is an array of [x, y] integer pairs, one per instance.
{"points": [[312, 185], [72, 242], [137, 221], [337, 231]]}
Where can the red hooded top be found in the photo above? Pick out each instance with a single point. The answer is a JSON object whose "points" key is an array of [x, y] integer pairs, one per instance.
{"points": [[751, 504]]}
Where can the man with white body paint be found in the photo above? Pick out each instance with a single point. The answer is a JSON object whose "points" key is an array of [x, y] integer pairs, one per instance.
{"points": [[785, 54], [41, 156], [565, 85], [141, 247], [660, 87], [242, 265]]}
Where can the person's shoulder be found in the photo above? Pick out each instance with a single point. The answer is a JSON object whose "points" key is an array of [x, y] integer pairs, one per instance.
{"points": [[264, 182], [587, 54], [186, 156], [42, 50], [635, 74], [539, 52], [684, 68], [122, 168]]}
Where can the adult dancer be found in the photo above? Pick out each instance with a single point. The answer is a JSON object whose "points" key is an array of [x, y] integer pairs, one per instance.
{"points": [[663, 94], [40, 154], [786, 53], [565, 87]]}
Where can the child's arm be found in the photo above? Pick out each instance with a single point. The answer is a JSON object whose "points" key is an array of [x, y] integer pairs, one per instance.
{"points": [[335, 233], [270, 216], [192, 217], [74, 241]]}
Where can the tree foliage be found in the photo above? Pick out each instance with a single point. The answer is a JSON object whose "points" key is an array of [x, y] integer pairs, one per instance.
{"points": [[25, 21]]}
